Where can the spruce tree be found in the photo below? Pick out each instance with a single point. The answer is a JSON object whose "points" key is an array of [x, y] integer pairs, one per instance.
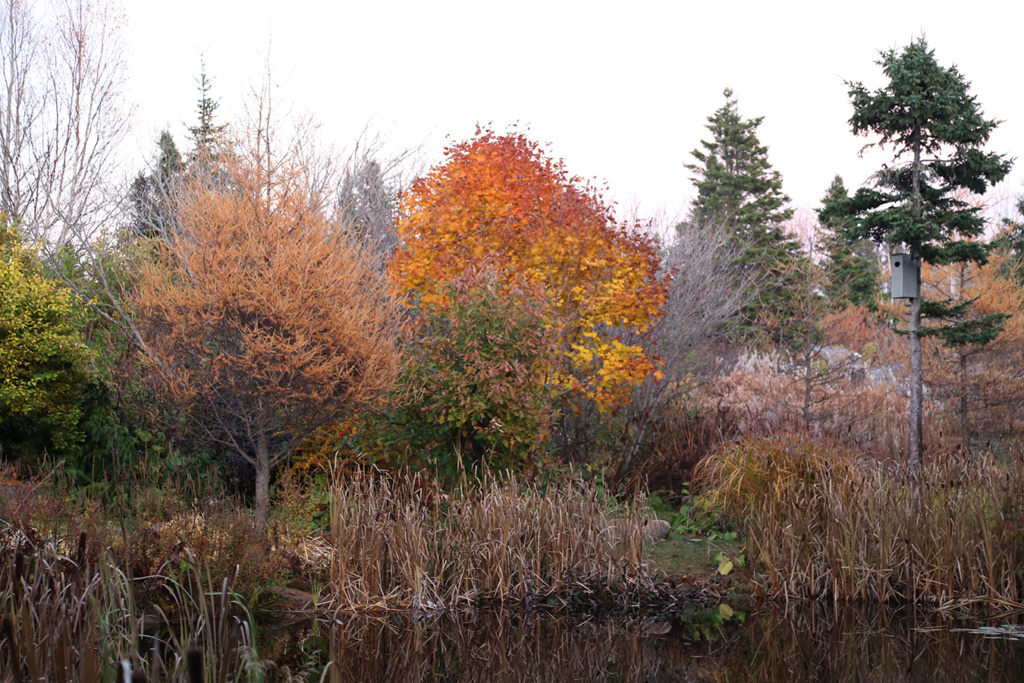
{"points": [[149, 192], [854, 271], [936, 131], [737, 186], [206, 135]]}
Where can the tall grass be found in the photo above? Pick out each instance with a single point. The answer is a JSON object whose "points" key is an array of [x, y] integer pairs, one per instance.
{"points": [[822, 525], [402, 544], [69, 619]]}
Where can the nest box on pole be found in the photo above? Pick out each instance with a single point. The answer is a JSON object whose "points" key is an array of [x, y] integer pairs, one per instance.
{"points": [[906, 277]]}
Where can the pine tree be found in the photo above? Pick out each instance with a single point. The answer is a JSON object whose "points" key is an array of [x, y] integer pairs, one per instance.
{"points": [[854, 270], [935, 127], [737, 186]]}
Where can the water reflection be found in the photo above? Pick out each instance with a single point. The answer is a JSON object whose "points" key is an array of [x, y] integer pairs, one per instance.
{"points": [[492, 648], [870, 644], [808, 644]]}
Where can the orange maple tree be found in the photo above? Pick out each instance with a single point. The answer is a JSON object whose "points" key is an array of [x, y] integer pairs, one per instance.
{"points": [[499, 201]]}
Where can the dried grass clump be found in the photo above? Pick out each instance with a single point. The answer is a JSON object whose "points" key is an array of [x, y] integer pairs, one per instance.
{"points": [[822, 525], [402, 544], [740, 476], [65, 620]]}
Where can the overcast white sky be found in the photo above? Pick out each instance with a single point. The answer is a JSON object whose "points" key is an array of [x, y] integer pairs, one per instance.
{"points": [[620, 90]]}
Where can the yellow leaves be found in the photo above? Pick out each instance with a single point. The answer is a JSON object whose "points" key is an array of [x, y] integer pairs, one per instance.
{"points": [[499, 202]]}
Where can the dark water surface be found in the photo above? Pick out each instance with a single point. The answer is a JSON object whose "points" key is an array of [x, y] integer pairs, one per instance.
{"points": [[802, 644]]}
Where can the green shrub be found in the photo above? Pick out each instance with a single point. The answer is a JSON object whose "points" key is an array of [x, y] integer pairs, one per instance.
{"points": [[474, 390]]}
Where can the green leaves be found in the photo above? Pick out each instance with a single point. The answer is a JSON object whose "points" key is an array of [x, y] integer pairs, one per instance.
{"points": [[42, 354], [936, 130], [474, 385]]}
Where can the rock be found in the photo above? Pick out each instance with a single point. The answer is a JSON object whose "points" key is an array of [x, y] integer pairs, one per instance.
{"points": [[657, 530], [658, 627], [654, 529]]}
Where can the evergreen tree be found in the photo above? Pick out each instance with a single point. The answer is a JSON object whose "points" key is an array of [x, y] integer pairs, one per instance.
{"points": [[1011, 239], [148, 192], [737, 186], [854, 271], [206, 135], [935, 127]]}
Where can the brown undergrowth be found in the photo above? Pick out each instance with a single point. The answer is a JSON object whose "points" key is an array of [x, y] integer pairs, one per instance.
{"points": [[76, 619], [403, 544], [824, 525]]}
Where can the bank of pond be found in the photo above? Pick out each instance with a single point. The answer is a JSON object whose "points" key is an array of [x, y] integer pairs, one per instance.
{"points": [[795, 563]]}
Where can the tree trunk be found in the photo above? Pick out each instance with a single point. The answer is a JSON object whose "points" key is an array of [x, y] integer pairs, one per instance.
{"points": [[965, 428], [916, 390], [262, 478], [916, 371], [808, 380]]}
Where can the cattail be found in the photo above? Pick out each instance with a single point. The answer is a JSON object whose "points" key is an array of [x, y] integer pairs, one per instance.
{"points": [[19, 566], [7, 633], [81, 550], [194, 664]]}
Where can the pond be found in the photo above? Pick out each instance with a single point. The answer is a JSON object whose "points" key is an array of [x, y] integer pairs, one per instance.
{"points": [[811, 644]]}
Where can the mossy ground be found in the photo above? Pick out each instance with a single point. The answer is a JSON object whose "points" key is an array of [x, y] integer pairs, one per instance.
{"points": [[694, 560]]}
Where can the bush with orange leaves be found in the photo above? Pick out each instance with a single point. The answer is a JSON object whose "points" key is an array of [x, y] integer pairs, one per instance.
{"points": [[260, 320], [499, 202]]}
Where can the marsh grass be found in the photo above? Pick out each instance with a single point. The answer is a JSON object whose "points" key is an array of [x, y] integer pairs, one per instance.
{"points": [[401, 543], [79, 621], [822, 525]]}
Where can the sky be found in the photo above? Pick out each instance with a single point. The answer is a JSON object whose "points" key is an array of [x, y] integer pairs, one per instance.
{"points": [[620, 91]]}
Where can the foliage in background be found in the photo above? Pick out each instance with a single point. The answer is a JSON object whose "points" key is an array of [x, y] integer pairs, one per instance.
{"points": [[43, 359], [499, 202], [980, 382]]}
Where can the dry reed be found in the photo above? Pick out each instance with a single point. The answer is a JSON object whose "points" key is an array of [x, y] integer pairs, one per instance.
{"points": [[822, 526], [402, 544], [79, 621]]}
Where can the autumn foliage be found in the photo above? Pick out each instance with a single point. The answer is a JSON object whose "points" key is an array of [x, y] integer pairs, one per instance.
{"points": [[259, 320], [498, 201], [980, 383]]}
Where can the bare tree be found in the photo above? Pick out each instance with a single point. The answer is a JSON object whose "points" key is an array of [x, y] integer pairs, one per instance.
{"points": [[63, 118], [706, 288], [367, 195]]}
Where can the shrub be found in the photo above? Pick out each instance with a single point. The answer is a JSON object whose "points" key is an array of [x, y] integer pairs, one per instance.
{"points": [[474, 390]]}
